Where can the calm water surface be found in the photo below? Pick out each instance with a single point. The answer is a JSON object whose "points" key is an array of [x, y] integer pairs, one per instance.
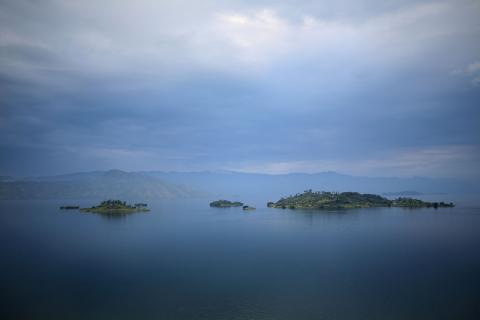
{"points": [[185, 260]]}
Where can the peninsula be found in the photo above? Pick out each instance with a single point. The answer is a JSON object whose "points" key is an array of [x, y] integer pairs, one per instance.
{"points": [[116, 207], [225, 204], [348, 200]]}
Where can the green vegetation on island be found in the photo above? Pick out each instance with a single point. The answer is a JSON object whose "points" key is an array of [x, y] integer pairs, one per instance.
{"points": [[348, 200], [112, 207], [415, 203], [225, 204]]}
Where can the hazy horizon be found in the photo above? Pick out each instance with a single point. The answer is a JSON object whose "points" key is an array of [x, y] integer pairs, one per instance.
{"points": [[225, 171]]}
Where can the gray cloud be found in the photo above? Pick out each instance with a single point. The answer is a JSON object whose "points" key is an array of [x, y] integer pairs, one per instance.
{"points": [[339, 85]]}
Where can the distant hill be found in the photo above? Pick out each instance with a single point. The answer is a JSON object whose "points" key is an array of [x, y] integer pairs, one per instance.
{"points": [[110, 184], [402, 193], [237, 184], [118, 184]]}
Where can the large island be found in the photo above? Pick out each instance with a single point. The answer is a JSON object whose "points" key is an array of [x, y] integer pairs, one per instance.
{"points": [[348, 200], [112, 207]]}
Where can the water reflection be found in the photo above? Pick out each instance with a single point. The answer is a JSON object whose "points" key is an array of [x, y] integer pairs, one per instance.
{"points": [[106, 215], [185, 260]]}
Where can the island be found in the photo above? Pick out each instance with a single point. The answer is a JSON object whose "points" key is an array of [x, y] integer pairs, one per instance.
{"points": [[113, 207], [71, 207], [225, 204], [348, 200], [140, 204], [247, 208]]}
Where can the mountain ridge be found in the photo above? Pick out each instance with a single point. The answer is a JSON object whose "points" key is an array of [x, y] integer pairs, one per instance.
{"points": [[117, 183], [95, 185]]}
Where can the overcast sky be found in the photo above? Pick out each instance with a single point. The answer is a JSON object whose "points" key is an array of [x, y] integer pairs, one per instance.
{"points": [[378, 88]]}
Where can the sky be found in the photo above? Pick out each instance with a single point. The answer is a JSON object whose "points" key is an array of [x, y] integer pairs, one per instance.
{"points": [[373, 87]]}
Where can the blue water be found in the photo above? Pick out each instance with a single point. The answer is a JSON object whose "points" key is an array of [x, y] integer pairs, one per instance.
{"points": [[185, 260]]}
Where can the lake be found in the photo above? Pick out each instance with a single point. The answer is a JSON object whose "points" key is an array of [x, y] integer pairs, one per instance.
{"points": [[185, 260]]}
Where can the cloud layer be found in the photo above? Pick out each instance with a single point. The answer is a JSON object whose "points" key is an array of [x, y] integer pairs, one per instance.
{"points": [[382, 87]]}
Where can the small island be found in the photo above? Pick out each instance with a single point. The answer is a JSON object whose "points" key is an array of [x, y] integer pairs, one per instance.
{"points": [[144, 205], [349, 200], [113, 207], [248, 208], [225, 204], [71, 207]]}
